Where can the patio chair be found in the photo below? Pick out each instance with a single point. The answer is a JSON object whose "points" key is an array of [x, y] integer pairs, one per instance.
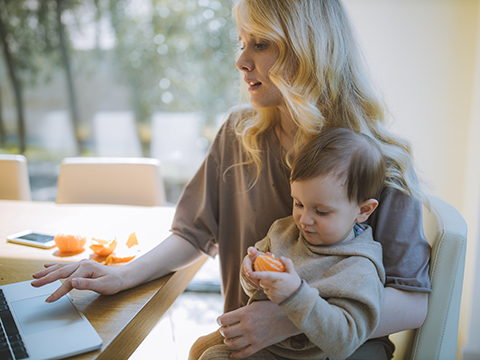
{"points": [[14, 181], [124, 181]]}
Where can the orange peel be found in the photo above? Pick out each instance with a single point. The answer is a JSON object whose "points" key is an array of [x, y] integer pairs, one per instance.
{"points": [[126, 252], [102, 247], [114, 259], [132, 240]]}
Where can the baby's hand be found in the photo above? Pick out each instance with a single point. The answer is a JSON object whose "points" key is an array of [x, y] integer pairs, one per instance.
{"points": [[247, 267], [279, 286]]}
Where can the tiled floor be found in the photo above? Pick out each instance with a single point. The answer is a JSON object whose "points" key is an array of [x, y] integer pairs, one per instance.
{"points": [[192, 315]]}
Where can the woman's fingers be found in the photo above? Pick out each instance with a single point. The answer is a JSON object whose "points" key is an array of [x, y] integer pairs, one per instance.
{"points": [[47, 265], [84, 275], [238, 342], [54, 271], [61, 291], [254, 327], [229, 318]]}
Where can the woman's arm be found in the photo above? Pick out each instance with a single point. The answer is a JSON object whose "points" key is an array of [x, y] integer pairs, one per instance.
{"points": [[172, 254], [401, 310]]}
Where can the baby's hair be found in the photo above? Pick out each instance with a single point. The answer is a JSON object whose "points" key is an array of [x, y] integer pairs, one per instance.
{"points": [[351, 156]]}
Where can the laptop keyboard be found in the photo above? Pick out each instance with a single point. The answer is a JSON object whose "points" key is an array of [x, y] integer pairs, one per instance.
{"points": [[11, 344]]}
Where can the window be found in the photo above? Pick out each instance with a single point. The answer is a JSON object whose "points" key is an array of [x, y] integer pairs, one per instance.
{"points": [[115, 78]]}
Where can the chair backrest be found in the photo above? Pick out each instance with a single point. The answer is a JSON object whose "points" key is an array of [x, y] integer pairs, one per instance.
{"points": [[446, 231], [121, 142], [125, 181], [14, 181]]}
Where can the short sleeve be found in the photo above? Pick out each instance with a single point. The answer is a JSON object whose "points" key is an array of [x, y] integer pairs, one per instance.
{"points": [[397, 224], [196, 217]]}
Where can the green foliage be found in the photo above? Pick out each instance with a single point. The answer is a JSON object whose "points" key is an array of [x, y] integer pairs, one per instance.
{"points": [[176, 55], [32, 39]]}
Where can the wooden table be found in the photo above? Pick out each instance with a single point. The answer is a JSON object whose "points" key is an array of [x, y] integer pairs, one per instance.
{"points": [[122, 320]]}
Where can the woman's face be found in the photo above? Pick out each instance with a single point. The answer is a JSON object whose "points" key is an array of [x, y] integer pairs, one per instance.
{"points": [[258, 56]]}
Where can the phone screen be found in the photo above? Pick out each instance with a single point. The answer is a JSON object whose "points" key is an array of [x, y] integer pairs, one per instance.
{"points": [[32, 238], [41, 238]]}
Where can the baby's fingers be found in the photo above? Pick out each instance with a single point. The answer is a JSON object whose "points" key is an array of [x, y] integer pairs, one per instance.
{"points": [[288, 263], [252, 251], [266, 275], [247, 266]]}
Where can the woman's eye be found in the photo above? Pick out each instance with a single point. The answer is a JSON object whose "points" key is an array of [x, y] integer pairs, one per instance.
{"points": [[261, 46]]}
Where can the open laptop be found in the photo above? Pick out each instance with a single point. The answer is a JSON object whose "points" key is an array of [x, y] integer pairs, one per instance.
{"points": [[35, 330]]}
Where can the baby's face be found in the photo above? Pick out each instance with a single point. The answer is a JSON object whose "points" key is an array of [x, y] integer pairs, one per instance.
{"points": [[322, 211]]}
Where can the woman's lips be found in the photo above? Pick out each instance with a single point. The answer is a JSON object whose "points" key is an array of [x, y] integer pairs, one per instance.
{"points": [[253, 85]]}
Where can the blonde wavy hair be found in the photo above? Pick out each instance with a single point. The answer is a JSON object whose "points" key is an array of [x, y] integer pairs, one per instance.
{"points": [[321, 74]]}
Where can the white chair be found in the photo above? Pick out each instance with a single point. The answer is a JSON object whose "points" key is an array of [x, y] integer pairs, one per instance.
{"points": [[180, 152], [446, 231], [124, 181], [14, 181], [115, 134]]}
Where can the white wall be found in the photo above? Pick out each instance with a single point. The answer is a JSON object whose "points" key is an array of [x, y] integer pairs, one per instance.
{"points": [[425, 57], [470, 312]]}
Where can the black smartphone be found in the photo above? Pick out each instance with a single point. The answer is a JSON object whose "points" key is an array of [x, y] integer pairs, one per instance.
{"points": [[31, 238]]}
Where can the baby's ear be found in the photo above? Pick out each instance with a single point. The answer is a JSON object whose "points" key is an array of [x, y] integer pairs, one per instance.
{"points": [[366, 209]]}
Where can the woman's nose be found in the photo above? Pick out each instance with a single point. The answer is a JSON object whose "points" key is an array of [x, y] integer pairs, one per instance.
{"points": [[244, 63]]}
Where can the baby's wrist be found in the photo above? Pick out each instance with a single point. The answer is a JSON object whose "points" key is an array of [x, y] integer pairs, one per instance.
{"points": [[295, 293]]}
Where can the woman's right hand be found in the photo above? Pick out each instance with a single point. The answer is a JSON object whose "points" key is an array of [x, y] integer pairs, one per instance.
{"points": [[172, 254], [83, 275]]}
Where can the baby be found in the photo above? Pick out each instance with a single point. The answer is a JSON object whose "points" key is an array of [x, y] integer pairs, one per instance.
{"points": [[332, 287]]}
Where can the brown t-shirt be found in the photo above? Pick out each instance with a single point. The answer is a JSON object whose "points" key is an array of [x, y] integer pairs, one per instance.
{"points": [[219, 213]]}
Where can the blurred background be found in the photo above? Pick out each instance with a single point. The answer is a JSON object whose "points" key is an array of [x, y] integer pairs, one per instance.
{"points": [[114, 78], [155, 78]]}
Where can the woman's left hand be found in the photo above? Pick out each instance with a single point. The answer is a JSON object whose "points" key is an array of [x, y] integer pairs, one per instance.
{"points": [[254, 327]]}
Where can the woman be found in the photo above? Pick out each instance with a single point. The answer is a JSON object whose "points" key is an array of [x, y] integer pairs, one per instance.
{"points": [[303, 70]]}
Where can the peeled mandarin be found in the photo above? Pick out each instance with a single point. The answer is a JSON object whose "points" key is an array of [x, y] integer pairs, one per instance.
{"points": [[267, 262], [70, 243]]}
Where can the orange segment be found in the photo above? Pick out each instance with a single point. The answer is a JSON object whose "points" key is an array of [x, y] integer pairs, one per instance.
{"points": [[267, 262], [70, 243], [103, 247]]}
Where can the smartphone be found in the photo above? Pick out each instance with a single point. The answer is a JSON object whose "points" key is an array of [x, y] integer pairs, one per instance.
{"points": [[31, 238]]}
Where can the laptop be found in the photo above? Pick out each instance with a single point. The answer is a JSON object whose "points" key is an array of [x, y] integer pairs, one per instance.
{"points": [[32, 329]]}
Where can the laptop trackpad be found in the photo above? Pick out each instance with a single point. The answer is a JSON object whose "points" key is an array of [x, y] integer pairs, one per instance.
{"points": [[35, 315]]}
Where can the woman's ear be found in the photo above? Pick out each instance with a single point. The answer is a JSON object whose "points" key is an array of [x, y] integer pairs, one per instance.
{"points": [[366, 209]]}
